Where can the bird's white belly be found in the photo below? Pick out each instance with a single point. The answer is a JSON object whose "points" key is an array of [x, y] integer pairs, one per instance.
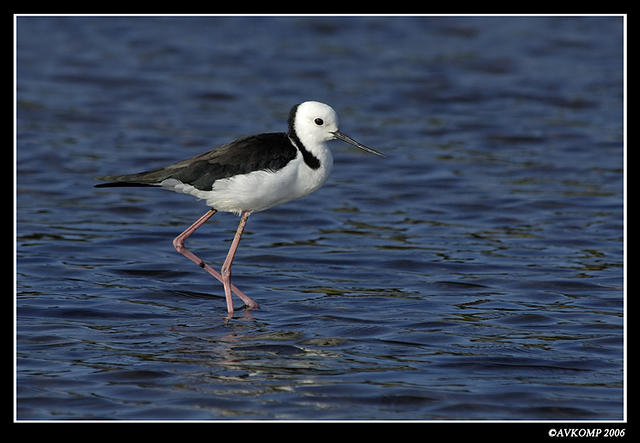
{"points": [[259, 190]]}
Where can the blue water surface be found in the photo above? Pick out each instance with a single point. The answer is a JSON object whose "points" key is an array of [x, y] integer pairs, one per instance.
{"points": [[475, 273]]}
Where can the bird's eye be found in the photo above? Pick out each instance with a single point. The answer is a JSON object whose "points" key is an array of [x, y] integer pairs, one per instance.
{"points": [[318, 122]]}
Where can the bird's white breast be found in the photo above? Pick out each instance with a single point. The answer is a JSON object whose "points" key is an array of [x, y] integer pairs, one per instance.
{"points": [[261, 190]]}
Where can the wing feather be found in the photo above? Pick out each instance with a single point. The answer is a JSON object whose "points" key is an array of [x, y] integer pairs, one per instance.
{"points": [[270, 151]]}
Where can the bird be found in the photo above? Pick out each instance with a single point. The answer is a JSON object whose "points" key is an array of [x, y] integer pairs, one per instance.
{"points": [[250, 174]]}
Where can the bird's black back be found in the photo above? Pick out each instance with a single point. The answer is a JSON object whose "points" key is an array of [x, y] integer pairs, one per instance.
{"points": [[270, 151]]}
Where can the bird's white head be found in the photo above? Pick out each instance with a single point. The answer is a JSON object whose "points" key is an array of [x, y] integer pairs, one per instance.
{"points": [[315, 123]]}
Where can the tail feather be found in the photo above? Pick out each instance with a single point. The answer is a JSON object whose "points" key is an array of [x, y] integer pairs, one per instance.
{"points": [[148, 178]]}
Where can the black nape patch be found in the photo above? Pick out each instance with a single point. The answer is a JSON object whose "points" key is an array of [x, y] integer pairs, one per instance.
{"points": [[307, 156]]}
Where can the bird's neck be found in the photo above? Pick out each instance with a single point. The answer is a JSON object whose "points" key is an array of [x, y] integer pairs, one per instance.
{"points": [[312, 153], [319, 162]]}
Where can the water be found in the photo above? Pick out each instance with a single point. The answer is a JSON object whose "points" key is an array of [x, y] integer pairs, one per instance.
{"points": [[475, 273]]}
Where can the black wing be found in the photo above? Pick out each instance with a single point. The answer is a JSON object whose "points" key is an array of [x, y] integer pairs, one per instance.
{"points": [[270, 151]]}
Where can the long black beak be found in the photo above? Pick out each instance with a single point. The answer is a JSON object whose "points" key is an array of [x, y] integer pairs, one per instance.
{"points": [[351, 141]]}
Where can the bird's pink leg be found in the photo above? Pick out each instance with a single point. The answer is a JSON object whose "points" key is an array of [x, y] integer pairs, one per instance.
{"points": [[226, 267], [178, 243]]}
